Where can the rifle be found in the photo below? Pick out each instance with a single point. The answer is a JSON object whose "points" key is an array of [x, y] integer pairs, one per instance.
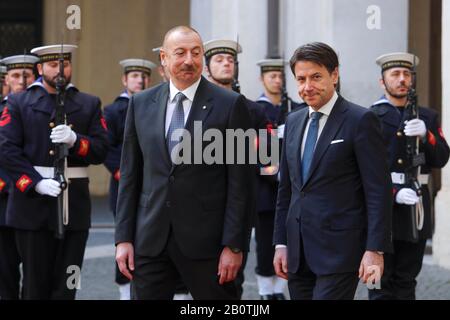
{"points": [[143, 78], [2, 79], [414, 159], [24, 73], [236, 87], [286, 101], [61, 149]]}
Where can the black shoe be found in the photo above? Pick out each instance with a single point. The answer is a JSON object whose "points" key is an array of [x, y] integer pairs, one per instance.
{"points": [[278, 296], [266, 297]]}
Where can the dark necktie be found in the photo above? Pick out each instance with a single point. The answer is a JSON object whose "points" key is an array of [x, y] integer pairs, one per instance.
{"points": [[310, 143], [177, 122]]}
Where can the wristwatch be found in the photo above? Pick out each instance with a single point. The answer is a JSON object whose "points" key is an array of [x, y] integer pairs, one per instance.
{"points": [[234, 250]]}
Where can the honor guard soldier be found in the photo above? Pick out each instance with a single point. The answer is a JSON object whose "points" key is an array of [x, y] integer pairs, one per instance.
{"points": [[276, 106], [30, 139], [19, 75], [402, 267], [4, 89], [221, 67], [135, 78]]}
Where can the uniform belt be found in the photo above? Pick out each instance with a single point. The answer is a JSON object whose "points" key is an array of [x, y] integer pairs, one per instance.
{"points": [[399, 178], [71, 173]]}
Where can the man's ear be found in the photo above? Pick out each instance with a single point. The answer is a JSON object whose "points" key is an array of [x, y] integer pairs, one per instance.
{"points": [[335, 76], [206, 70], [162, 57], [40, 67], [124, 80], [381, 82]]}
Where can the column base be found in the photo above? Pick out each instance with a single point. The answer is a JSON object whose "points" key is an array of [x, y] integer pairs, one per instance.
{"points": [[441, 238]]}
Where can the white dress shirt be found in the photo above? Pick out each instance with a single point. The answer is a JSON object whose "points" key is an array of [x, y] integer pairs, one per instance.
{"points": [[325, 110], [187, 103]]}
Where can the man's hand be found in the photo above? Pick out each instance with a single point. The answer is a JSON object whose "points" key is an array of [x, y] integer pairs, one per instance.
{"points": [[280, 262], [48, 187], [269, 171], [372, 263], [415, 128], [125, 258], [63, 134], [229, 264]]}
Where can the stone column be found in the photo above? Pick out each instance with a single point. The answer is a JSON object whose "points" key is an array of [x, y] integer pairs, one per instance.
{"points": [[441, 239], [215, 19], [350, 27]]}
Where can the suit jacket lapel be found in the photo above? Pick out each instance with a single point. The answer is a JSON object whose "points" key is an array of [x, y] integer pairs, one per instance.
{"points": [[201, 106], [158, 111], [332, 125], [298, 133]]}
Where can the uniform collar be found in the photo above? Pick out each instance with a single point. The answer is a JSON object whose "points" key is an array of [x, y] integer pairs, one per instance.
{"points": [[38, 83], [124, 95], [263, 98], [382, 100]]}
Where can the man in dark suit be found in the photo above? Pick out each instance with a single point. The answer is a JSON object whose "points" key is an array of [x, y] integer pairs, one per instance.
{"points": [[333, 217], [187, 219]]}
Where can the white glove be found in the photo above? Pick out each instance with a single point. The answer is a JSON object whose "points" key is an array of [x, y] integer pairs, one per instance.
{"points": [[48, 187], [407, 196], [415, 128], [63, 134]]}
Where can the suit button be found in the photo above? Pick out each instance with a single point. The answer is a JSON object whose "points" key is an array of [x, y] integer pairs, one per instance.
{"points": [[51, 152], [399, 133], [51, 124], [400, 161], [168, 204], [171, 178]]}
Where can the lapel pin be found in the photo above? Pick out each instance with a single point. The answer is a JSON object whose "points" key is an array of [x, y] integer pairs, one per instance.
{"points": [[204, 108]]}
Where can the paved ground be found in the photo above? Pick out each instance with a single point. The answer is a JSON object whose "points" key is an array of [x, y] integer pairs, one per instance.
{"points": [[97, 281]]}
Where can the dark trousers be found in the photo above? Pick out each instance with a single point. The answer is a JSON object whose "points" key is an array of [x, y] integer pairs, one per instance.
{"points": [[306, 285], [239, 281], [264, 248], [9, 265], [47, 261], [400, 271], [155, 278], [121, 279]]}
